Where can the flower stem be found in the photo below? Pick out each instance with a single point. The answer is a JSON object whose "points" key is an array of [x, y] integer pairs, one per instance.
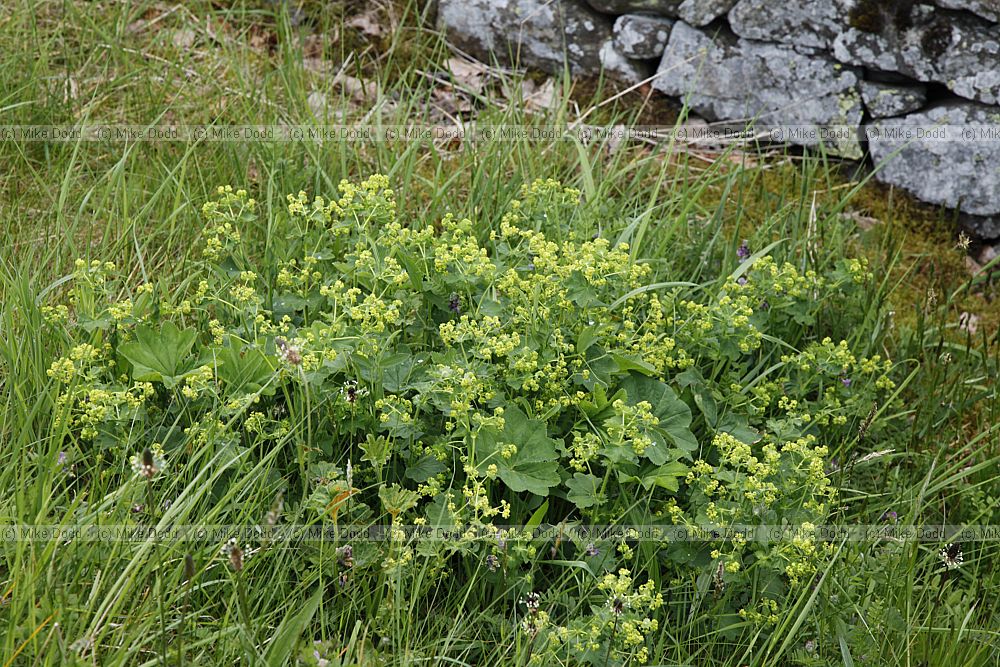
{"points": [[158, 589], [614, 631]]}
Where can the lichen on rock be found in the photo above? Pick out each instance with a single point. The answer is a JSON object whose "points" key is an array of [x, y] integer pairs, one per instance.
{"points": [[545, 34], [642, 36], [725, 77], [813, 23], [962, 52], [662, 7], [954, 161], [884, 100]]}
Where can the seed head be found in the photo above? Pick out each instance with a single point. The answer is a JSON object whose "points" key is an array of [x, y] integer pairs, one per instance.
{"points": [[273, 514], [952, 556], [532, 601], [289, 352], [351, 392], [149, 463], [718, 581], [234, 553], [618, 605]]}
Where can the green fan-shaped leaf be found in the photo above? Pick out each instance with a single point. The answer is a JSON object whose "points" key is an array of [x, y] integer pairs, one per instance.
{"points": [[674, 415], [160, 356], [533, 466]]}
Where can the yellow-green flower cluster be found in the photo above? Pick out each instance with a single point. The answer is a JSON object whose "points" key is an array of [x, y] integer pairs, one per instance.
{"points": [[55, 315], [198, 381], [486, 336], [644, 334], [244, 291], [846, 386], [76, 363], [301, 277], [720, 328], [395, 413], [477, 498], [544, 195], [458, 392], [766, 612], [859, 270], [585, 448], [767, 278], [94, 271], [365, 203], [458, 252], [315, 211], [223, 215], [802, 555], [631, 424], [96, 406], [621, 585], [750, 482], [374, 315]]}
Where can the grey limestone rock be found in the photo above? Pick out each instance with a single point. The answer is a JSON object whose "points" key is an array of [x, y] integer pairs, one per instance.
{"points": [[884, 100], [642, 36], [955, 163], [812, 23], [536, 33], [989, 9], [984, 227], [664, 7], [962, 52], [703, 12], [727, 78]]}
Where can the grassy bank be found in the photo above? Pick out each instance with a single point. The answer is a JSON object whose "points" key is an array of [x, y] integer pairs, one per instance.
{"points": [[621, 334]]}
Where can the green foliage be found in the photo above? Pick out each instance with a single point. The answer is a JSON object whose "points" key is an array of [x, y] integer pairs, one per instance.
{"points": [[515, 361], [160, 356], [461, 379], [277, 423], [521, 455]]}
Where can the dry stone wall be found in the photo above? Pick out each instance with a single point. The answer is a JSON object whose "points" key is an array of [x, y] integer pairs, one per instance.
{"points": [[891, 69]]}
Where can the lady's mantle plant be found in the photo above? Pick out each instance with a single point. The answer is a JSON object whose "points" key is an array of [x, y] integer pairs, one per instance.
{"points": [[464, 376]]}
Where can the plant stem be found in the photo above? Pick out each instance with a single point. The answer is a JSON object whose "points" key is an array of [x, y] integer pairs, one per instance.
{"points": [[158, 589], [241, 593], [614, 631]]}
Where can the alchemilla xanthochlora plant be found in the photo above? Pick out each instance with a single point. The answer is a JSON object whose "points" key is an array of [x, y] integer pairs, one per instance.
{"points": [[406, 373]]}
